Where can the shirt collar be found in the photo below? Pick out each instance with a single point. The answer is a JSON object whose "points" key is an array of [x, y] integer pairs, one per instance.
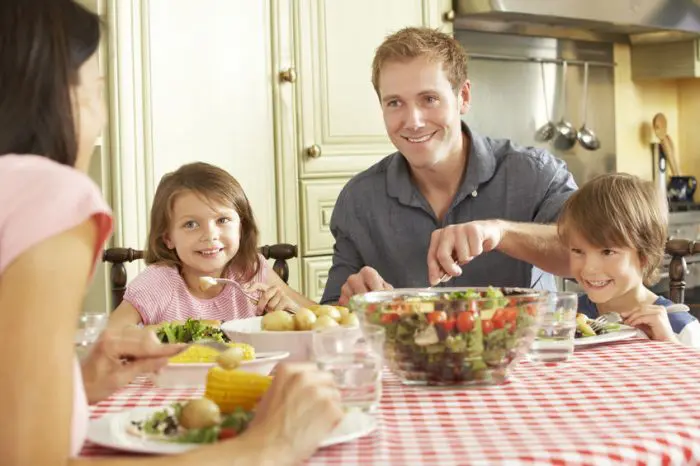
{"points": [[480, 168]]}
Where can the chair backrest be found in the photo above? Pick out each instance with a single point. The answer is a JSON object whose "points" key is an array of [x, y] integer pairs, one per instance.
{"points": [[281, 253], [679, 249]]}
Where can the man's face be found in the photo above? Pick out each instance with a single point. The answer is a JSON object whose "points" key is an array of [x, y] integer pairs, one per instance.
{"points": [[421, 112]]}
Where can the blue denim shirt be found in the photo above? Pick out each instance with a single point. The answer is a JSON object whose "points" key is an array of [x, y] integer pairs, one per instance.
{"points": [[382, 220]]}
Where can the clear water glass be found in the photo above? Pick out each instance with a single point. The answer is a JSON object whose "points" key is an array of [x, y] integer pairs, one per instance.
{"points": [[355, 361], [90, 325], [554, 340]]}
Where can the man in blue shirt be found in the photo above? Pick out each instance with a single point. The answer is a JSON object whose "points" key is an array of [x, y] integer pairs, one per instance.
{"points": [[448, 194]]}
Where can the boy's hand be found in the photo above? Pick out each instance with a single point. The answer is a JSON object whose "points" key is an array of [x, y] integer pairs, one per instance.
{"points": [[653, 320]]}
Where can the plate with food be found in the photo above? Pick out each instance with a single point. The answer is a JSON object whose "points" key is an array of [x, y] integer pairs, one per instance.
{"points": [[189, 368], [608, 333], [163, 430]]}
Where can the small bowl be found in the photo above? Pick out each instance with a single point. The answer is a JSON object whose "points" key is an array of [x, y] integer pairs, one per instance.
{"points": [[194, 374], [453, 336]]}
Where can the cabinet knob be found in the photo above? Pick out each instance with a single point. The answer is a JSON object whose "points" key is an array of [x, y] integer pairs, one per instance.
{"points": [[314, 151], [289, 75], [449, 16]]}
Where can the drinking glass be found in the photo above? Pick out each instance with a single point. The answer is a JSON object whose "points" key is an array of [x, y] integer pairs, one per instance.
{"points": [[554, 340]]}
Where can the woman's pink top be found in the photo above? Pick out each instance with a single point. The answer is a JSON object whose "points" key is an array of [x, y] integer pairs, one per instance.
{"points": [[40, 199]]}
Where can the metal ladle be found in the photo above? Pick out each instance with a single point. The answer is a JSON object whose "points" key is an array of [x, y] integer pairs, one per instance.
{"points": [[586, 137], [565, 136], [546, 131]]}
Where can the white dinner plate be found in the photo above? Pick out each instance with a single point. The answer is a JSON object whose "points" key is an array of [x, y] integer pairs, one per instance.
{"points": [[111, 431], [624, 333]]}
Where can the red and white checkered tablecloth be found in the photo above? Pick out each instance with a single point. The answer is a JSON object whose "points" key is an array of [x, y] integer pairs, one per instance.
{"points": [[635, 402]]}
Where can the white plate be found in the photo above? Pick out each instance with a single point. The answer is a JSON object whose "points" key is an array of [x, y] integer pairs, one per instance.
{"points": [[194, 374], [111, 431], [624, 333]]}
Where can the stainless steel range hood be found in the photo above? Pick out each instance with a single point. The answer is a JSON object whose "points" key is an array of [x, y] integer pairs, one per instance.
{"points": [[630, 21]]}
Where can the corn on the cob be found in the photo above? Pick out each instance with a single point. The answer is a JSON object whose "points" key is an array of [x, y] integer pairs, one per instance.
{"points": [[196, 353], [230, 389]]}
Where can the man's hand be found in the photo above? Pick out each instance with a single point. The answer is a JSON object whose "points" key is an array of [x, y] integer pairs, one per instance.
{"points": [[456, 245], [367, 279]]}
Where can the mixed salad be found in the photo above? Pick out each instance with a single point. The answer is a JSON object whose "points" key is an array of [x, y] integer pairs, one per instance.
{"points": [[196, 421], [456, 336], [190, 331]]}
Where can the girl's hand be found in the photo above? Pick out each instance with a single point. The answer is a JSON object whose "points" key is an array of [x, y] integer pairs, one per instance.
{"points": [[272, 298], [653, 320], [121, 354]]}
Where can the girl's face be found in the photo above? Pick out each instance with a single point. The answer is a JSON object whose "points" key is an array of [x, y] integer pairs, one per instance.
{"points": [[205, 234], [604, 273]]}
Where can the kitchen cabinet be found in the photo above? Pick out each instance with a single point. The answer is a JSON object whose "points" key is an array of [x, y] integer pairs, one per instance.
{"points": [[327, 102], [100, 170], [666, 60]]}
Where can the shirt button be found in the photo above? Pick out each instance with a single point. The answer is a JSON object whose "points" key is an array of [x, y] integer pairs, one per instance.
{"points": [[474, 193]]}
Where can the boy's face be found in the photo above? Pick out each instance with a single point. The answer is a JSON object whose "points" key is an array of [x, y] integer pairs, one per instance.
{"points": [[604, 273], [421, 111]]}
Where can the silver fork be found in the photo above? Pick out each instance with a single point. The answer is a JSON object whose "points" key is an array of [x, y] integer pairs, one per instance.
{"points": [[600, 322], [207, 282]]}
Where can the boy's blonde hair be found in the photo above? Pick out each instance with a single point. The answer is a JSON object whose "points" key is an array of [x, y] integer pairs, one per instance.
{"points": [[619, 210], [210, 183], [414, 42]]}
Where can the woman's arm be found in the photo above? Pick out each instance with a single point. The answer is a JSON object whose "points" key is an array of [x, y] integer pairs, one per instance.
{"points": [[124, 315]]}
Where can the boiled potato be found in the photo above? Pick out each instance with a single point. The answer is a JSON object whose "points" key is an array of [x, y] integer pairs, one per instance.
{"points": [[324, 322], [326, 310], [278, 321], [344, 311], [231, 358], [304, 319], [350, 320], [198, 414]]}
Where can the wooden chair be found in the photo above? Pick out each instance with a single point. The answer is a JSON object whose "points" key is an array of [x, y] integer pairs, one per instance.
{"points": [[679, 249], [281, 253]]}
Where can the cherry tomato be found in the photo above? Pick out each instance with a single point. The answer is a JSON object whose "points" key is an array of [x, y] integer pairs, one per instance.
{"points": [[511, 314], [448, 324], [227, 432], [389, 318], [465, 321], [499, 319], [486, 326], [437, 316]]}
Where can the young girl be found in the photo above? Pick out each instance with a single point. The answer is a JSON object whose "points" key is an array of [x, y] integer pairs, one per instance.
{"points": [[615, 229], [202, 226]]}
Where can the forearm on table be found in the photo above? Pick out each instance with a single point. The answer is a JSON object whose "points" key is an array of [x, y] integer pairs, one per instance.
{"points": [[536, 244]]}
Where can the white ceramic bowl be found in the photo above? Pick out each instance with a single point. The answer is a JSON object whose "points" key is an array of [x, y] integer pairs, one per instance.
{"points": [[299, 343], [194, 374]]}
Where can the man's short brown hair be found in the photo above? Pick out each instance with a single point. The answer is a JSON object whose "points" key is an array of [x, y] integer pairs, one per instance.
{"points": [[415, 42]]}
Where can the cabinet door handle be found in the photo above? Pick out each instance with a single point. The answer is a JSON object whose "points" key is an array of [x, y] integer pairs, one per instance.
{"points": [[289, 75], [314, 151], [449, 16]]}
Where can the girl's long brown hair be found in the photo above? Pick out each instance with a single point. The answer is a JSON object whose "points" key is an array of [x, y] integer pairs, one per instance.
{"points": [[211, 183]]}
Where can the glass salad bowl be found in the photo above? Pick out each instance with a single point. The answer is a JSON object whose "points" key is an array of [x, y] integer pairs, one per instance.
{"points": [[453, 336]]}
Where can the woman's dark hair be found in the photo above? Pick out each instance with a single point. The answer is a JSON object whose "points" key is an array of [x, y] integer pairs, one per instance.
{"points": [[43, 44]]}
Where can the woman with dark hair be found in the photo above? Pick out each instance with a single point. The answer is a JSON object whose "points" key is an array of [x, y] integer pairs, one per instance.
{"points": [[53, 225]]}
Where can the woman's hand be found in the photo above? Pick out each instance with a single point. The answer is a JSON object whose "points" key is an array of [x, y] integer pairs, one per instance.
{"points": [[118, 356], [298, 412], [653, 320], [272, 298]]}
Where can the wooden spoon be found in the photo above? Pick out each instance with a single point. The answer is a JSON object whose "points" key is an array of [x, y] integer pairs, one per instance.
{"points": [[660, 125]]}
